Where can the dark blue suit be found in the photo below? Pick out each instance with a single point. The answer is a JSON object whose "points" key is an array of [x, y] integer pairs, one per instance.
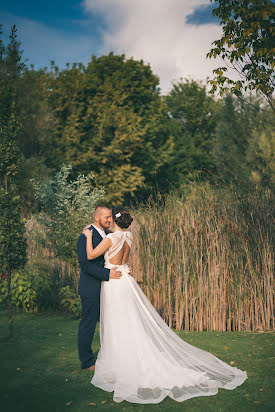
{"points": [[91, 275]]}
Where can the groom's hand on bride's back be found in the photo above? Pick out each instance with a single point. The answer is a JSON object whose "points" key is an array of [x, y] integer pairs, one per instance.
{"points": [[130, 270], [114, 273]]}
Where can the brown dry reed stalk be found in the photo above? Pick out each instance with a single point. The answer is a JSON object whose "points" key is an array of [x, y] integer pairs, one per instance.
{"points": [[205, 259], [40, 256]]}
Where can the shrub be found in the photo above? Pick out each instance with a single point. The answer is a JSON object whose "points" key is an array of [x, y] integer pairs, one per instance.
{"points": [[23, 294], [70, 302], [41, 287], [67, 208]]}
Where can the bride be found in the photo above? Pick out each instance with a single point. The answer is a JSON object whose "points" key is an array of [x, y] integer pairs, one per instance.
{"points": [[141, 359]]}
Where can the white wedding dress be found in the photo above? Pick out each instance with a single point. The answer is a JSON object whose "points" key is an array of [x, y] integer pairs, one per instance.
{"points": [[141, 359]]}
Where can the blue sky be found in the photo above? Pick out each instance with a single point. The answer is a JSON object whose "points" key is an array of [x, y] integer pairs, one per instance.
{"points": [[71, 31]]}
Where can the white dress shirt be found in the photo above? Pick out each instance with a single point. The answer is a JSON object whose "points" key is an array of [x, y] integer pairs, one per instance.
{"points": [[100, 231]]}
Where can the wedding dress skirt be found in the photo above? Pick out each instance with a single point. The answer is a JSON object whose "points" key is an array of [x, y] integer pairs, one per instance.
{"points": [[142, 360]]}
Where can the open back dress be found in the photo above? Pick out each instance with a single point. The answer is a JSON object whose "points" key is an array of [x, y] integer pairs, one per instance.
{"points": [[141, 359]]}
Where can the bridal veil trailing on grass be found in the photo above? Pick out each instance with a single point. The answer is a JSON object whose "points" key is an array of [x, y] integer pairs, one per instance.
{"points": [[141, 359]]}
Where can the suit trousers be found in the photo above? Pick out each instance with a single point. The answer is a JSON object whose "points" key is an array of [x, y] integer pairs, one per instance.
{"points": [[86, 330]]}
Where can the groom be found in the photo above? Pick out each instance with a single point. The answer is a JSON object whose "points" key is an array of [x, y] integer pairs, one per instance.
{"points": [[91, 275]]}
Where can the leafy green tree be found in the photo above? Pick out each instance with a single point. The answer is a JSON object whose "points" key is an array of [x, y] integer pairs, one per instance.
{"points": [[260, 155], [194, 114], [247, 46], [36, 123], [116, 134], [109, 136], [67, 101], [110, 118], [67, 207], [243, 144], [141, 97], [157, 152], [35, 133], [133, 77], [12, 230], [230, 142], [34, 113]]}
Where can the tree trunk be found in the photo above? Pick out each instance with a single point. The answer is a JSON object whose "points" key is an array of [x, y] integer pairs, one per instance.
{"points": [[10, 331]]}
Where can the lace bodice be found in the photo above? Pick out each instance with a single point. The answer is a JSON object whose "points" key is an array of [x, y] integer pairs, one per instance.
{"points": [[118, 238]]}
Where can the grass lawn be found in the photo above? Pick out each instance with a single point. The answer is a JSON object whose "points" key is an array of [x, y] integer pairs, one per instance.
{"points": [[40, 370]]}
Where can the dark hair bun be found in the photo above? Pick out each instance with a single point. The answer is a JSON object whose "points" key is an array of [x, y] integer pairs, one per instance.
{"points": [[122, 217]]}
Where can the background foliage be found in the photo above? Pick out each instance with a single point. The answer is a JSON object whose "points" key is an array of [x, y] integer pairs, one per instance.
{"points": [[104, 131], [109, 119], [12, 231], [67, 206], [246, 46]]}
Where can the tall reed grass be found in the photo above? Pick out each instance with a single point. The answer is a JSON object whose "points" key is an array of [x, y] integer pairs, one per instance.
{"points": [[205, 258]]}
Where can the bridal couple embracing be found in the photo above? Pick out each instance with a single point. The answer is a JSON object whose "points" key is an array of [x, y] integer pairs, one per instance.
{"points": [[140, 359]]}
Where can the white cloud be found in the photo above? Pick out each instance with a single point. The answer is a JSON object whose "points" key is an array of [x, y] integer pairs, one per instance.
{"points": [[156, 31]]}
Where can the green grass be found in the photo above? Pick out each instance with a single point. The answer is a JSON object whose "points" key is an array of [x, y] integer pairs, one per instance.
{"points": [[40, 370]]}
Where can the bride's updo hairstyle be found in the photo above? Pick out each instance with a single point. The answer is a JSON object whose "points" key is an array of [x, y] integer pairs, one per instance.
{"points": [[122, 217]]}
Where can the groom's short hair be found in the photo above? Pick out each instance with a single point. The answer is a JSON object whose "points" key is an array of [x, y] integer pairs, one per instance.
{"points": [[102, 205]]}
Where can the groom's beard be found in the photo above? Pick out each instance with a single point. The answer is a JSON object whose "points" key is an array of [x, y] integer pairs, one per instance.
{"points": [[105, 225]]}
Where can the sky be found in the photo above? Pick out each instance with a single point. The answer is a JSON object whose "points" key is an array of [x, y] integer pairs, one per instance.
{"points": [[173, 36]]}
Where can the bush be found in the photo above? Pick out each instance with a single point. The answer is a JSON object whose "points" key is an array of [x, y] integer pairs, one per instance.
{"points": [[46, 281], [69, 302], [41, 287], [23, 294], [67, 208]]}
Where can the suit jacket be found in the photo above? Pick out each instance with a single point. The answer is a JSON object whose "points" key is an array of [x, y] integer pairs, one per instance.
{"points": [[92, 271]]}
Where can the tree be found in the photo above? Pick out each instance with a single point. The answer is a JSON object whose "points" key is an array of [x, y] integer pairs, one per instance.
{"points": [[12, 231], [243, 148], [193, 112], [104, 142], [35, 133], [67, 207], [116, 135], [111, 119], [230, 143], [247, 46], [260, 155]]}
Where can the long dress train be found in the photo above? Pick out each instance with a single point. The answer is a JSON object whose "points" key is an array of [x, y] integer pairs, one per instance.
{"points": [[141, 359]]}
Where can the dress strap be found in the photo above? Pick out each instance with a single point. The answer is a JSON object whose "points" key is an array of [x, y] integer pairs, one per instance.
{"points": [[118, 239]]}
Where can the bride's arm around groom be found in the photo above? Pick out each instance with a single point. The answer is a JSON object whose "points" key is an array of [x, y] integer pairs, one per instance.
{"points": [[93, 268]]}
